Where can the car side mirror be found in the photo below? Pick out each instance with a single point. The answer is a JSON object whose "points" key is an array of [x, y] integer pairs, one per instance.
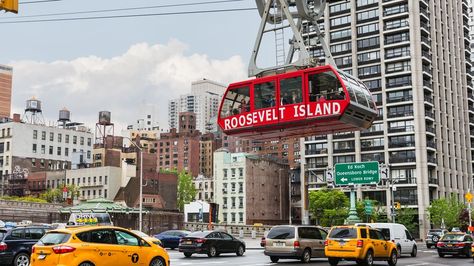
{"points": [[386, 238], [143, 243]]}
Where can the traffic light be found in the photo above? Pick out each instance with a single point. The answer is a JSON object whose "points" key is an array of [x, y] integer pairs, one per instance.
{"points": [[398, 206], [9, 6]]}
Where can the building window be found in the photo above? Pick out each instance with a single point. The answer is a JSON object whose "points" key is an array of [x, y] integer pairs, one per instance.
{"points": [[367, 15], [82, 141], [241, 217], [398, 67], [89, 142], [369, 71], [368, 57], [367, 29], [225, 173], [67, 139], [369, 43], [397, 52], [341, 35], [74, 139], [51, 150], [341, 48], [35, 134], [345, 61], [59, 151], [43, 135], [232, 215], [105, 193], [105, 180], [43, 149], [34, 148], [60, 137], [340, 21], [66, 151], [361, 3], [339, 8], [397, 38], [51, 136]]}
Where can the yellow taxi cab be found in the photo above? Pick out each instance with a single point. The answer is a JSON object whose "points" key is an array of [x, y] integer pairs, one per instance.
{"points": [[362, 244], [96, 246]]}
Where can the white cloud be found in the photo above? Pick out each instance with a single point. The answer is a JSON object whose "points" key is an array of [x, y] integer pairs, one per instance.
{"points": [[145, 74]]}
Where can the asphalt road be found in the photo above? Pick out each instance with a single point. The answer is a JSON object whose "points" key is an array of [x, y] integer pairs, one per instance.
{"points": [[256, 257]]}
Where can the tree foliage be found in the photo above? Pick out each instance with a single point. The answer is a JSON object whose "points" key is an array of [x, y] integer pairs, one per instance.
{"points": [[24, 199], [328, 207], [447, 209], [186, 190], [55, 195], [406, 216]]}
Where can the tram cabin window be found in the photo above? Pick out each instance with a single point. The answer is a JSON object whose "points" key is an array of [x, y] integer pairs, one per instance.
{"points": [[325, 86], [264, 95], [236, 101], [290, 91]]}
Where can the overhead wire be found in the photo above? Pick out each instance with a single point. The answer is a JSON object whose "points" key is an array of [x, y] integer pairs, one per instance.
{"points": [[39, 1], [131, 15], [122, 9]]}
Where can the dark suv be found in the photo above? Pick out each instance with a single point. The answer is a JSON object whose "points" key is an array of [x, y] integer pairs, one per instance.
{"points": [[16, 243]]}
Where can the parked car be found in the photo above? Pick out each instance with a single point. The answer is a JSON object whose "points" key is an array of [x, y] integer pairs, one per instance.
{"points": [[211, 243], [455, 244], [433, 236], [170, 238], [96, 245], [398, 234], [148, 238], [16, 244], [295, 242], [455, 230], [362, 244]]}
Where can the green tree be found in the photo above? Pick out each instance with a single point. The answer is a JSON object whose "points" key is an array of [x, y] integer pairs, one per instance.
{"points": [[328, 207], [55, 195], [447, 209], [406, 216], [186, 190]]}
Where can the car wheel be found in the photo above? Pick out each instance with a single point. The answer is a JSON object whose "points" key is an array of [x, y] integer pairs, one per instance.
{"points": [[157, 262], [86, 264], [274, 259], [441, 255], [399, 251], [240, 251], [333, 261], [212, 252], [469, 253], [22, 259], [306, 257], [187, 254], [369, 258], [392, 261], [414, 251]]}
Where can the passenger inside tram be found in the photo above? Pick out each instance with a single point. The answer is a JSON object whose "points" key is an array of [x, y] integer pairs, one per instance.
{"points": [[290, 91], [325, 86]]}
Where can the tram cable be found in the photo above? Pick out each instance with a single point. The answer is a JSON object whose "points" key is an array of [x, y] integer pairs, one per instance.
{"points": [[132, 15], [119, 9]]}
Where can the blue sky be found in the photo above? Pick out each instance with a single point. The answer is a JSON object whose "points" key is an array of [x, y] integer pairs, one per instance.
{"points": [[82, 64]]}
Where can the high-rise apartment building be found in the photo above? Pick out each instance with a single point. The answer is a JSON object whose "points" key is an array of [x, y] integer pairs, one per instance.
{"points": [[203, 100], [5, 90], [414, 57]]}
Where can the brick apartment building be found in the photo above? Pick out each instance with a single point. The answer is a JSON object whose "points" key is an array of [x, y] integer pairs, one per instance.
{"points": [[5, 90]]}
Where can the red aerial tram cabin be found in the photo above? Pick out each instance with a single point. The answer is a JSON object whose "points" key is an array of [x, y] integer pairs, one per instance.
{"points": [[312, 101]]}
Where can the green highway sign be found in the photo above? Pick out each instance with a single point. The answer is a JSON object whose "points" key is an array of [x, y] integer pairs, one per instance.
{"points": [[356, 173]]}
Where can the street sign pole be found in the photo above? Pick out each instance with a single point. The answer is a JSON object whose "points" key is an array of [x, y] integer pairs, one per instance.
{"points": [[353, 218]]}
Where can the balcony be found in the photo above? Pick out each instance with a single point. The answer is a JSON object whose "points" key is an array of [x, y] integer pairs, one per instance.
{"points": [[400, 114], [316, 151], [427, 69], [430, 130], [432, 160], [372, 148], [404, 144], [402, 160], [425, 26], [433, 181], [425, 12], [431, 144], [344, 150], [426, 54], [401, 129], [343, 135], [429, 99], [426, 40], [430, 115], [400, 99], [371, 133]]}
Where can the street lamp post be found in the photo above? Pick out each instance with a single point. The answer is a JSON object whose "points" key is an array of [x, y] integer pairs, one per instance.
{"points": [[140, 213]]}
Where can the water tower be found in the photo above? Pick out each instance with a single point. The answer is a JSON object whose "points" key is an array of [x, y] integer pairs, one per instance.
{"points": [[104, 128], [33, 112], [64, 117]]}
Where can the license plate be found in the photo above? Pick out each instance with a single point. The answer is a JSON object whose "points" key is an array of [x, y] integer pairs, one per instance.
{"points": [[41, 257], [342, 243], [278, 244], [188, 242], [450, 245]]}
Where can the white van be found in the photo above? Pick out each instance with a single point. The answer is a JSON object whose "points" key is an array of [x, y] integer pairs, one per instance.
{"points": [[398, 234]]}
